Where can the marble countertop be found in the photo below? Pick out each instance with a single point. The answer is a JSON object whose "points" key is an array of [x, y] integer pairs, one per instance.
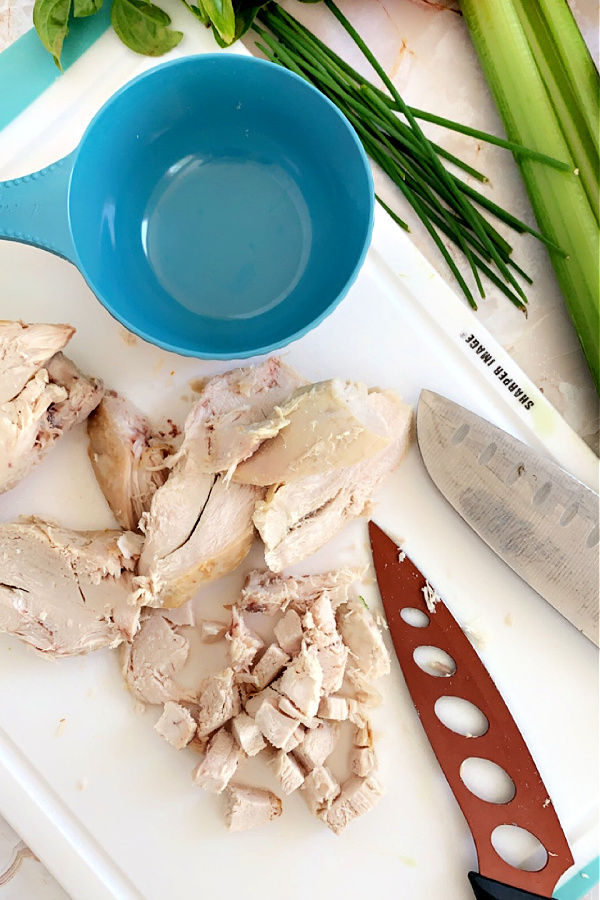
{"points": [[417, 49]]}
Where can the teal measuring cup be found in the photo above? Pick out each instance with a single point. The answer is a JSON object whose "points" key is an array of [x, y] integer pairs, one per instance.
{"points": [[217, 205]]}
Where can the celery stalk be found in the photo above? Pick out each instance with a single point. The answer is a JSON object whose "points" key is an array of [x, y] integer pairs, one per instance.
{"points": [[545, 91]]}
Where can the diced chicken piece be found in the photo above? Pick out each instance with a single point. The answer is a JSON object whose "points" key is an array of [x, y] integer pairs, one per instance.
{"points": [[286, 706], [183, 615], [334, 585], [318, 744], [321, 427], [211, 631], [218, 701], [128, 460], [302, 682], [357, 713], [358, 796], [288, 632], [288, 771], [217, 544], [217, 432], [24, 349], [218, 767], [362, 685], [335, 708], [250, 807], [320, 789], [320, 632], [362, 761], [247, 734], [253, 703], [152, 660], [176, 725], [295, 520], [267, 593], [294, 740], [66, 592], [270, 666], [321, 615], [244, 643], [55, 399], [363, 638], [332, 658], [274, 725]]}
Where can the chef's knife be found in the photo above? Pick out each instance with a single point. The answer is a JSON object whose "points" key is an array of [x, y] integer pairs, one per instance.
{"points": [[417, 617], [534, 515]]}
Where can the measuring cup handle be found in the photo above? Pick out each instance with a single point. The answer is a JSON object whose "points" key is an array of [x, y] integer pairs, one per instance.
{"points": [[34, 209]]}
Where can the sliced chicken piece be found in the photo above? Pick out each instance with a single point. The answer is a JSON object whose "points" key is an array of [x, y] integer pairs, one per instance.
{"points": [[247, 734], [321, 427], [218, 767], [288, 772], [128, 460], [288, 632], [217, 432], [332, 657], [270, 593], [270, 666], [253, 703], [318, 744], [218, 701], [176, 725], [217, 544], [152, 660], [244, 643], [66, 592], [54, 400], [320, 789], [294, 739], [358, 796], [276, 727], [320, 632], [302, 682], [250, 807], [211, 631], [295, 520], [286, 706], [363, 638], [183, 615], [24, 349], [335, 708]]}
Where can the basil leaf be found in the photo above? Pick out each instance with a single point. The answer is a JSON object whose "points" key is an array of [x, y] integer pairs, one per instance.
{"points": [[198, 11], [51, 21], [222, 16], [83, 8], [245, 13], [143, 27]]}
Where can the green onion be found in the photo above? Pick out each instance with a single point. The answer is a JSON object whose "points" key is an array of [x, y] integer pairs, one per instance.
{"points": [[545, 86]]}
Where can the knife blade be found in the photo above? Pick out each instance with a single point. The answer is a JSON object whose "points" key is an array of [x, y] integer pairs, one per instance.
{"points": [[417, 618], [539, 519]]}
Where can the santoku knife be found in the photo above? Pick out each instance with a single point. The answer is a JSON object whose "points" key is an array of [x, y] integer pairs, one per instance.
{"points": [[534, 515], [417, 617]]}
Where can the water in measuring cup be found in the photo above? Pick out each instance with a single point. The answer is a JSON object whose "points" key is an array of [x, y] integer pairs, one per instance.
{"points": [[227, 238]]}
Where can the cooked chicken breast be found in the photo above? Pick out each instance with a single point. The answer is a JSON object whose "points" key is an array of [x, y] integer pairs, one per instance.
{"points": [[321, 427], [320, 789], [358, 796], [219, 540], [250, 807], [151, 661], [295, 520], [66, 592], [24, 349], [219, 765], [128, 460], [217, 432], [55, 399], [287, 770], [363, 638], [244, 643], [218, 701], [176, 725]]}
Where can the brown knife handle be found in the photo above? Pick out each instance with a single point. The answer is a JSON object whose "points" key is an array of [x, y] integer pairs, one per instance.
{"points": [[401, 586]]}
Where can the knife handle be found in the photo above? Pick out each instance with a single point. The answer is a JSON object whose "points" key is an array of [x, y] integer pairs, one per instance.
{"points": [[488, 889]]}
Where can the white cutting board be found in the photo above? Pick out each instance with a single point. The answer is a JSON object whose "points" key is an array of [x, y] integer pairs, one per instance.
{"points": [[106, 804]]}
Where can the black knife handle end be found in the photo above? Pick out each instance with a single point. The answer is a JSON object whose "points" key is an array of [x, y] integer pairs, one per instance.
{"points": [[487, 889]]}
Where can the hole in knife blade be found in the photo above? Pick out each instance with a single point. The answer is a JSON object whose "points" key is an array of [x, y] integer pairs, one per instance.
{"points": [[487, 780], [434, 661], [461, 716], [415, 617], [519, 848], [569, 514], [460, 434], [515, 473], [487, 454], [542, 494], [593, 538]]}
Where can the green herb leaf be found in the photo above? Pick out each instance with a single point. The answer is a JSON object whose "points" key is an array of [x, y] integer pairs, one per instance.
{"points": [[83, 8], [51, 21], [362, 599], [143, 27], [198, 11], [222, 16], [245, 13]]}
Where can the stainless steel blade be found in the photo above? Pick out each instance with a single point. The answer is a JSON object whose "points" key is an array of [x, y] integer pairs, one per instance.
{"points": [[539, 519]]}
